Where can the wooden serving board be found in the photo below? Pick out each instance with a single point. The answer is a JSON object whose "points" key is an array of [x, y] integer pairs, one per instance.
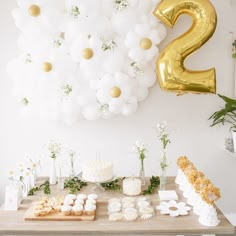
{"points": [[58, 216]]}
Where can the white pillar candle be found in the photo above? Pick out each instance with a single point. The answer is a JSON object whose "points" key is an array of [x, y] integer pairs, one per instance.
{"points": [[132, 186]]}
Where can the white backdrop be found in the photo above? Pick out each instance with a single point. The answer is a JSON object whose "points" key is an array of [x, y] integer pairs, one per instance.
{"points": [[186, 115]]}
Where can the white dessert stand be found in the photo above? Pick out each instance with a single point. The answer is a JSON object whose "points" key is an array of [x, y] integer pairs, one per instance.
{"points": [[98, 185]]}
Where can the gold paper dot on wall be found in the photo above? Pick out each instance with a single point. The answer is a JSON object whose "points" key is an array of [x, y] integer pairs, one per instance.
{"points": [[87, 53], [34, 10], [145, 43], [115, 92], [47, 66]]}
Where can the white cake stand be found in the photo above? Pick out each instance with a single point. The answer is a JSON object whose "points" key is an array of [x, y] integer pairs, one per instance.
{"points": [[98, 185]]}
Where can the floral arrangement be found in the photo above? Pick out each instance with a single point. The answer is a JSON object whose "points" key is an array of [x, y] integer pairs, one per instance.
{"points": [[54, 148], [164, 139], [84, 59], [141, 150], [72, 162]]}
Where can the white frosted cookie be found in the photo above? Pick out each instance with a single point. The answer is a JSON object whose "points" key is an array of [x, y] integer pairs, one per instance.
{"points": [[146, 210], [143, 204], [146, 216], [116, 216], [128, 205], [140, 199], [114, 207], [128, 199], [130, 214], [113, 200]]}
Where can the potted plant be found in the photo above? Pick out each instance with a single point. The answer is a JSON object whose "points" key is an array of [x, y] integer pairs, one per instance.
{"points": [[226, 115]]}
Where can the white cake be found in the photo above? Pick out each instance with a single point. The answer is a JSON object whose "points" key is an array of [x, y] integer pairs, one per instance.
{"points": [[132, 186], [97, 171]]}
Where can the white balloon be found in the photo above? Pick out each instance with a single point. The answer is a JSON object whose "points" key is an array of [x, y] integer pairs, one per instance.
{"points": [[76, 87], [91, 113]]}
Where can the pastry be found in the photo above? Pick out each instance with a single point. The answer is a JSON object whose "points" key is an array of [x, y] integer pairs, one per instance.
{"points": [[146, 216], [93, 196], [77, 210], [130, 214], [116, 216], [146, 210], [132, 186], [91, 201], [113, 200], [66, 210], [82, 196], [128, 199], [70, 196], [143, 204], [68, 202], [79, 201], [140, 199], [90, 209], [114, 207], [128, 205]]}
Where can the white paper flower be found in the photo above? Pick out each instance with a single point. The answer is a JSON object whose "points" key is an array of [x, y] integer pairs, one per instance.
{"points": [[142, 43], [173, 208]]}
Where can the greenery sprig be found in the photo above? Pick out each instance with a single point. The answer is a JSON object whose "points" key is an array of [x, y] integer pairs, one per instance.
{"points": [[113, 185], [45, 186], [225, 115], [74, 184], [154, 183]]}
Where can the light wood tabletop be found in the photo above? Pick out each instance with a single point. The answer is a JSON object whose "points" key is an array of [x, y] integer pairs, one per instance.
{"points": [[13, 223]]}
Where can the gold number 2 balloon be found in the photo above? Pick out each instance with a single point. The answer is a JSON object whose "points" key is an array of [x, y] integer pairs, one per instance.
{"points": [[171, 73]]}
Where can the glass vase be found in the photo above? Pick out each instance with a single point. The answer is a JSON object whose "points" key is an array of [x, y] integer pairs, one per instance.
{"points": [[53, 175], [163, 179], [163, 166], [72, 171], [142, 174]]}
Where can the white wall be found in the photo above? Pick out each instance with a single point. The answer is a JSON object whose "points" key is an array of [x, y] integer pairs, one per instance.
{"points": [[187, 116]]}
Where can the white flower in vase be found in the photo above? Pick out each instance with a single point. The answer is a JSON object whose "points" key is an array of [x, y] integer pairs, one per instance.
{"points": [[142, 43], [72, 159], [38, 17], [54, 149], [164, 139], [141, 150]]}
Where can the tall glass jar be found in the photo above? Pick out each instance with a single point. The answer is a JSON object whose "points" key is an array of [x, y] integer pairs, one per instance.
{"points": [[142, 173]]}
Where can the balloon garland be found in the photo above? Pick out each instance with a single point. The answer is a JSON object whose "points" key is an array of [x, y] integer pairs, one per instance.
{"points": [[85, 58]]}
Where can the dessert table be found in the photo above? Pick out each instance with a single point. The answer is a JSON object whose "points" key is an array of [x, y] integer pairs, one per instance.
{"points": [[13, 223]]}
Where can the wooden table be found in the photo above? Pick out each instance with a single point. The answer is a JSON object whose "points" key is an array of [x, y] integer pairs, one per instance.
{"points": [[12, 223]]}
